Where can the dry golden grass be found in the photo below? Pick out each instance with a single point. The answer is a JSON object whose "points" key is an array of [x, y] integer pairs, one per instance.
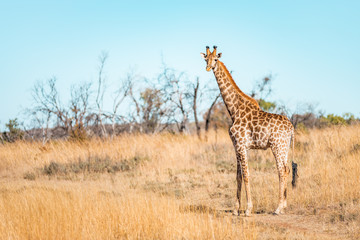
{"points": [[176, 187], [35, 212]]}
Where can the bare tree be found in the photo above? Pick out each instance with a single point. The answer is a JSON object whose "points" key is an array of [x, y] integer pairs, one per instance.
{"points": [[151, 113], [177, 95], [262, 89], [101, 87], [79, 106], [46, 101], [42, 122], [195, 97], [70, 119], [209, 111], [120, 95], [135, 117], [150, 110]]}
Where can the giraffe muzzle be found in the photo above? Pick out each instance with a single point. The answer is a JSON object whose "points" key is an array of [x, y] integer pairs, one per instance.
{"points": [[208, 69]]}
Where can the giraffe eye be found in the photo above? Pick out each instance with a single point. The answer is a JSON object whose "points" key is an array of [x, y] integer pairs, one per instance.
{"points": [[215, 60]]}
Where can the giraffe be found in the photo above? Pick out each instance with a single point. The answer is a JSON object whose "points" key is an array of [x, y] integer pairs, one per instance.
{"points": [[252, 128]]}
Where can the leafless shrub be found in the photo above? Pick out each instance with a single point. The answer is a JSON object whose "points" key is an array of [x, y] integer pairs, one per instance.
{"points": [[177, 96], [101, 87], [72, 119]]}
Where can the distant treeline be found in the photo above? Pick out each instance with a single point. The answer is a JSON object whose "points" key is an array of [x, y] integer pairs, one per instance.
{"points": [[172, 102]]}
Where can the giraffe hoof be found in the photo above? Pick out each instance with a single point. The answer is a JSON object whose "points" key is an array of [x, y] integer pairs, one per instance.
{"points": [[278, 212], [247, 213], [236, 212]]}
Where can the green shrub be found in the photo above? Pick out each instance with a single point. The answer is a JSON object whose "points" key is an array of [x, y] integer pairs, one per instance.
{"points": [[14, 133], [333, 119]]}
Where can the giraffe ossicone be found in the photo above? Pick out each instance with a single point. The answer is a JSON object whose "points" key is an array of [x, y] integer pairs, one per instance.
{"points": [[252, 128]]}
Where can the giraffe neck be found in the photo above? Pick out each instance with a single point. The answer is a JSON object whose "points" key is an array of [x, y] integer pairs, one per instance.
{"points": [[235, 100]]}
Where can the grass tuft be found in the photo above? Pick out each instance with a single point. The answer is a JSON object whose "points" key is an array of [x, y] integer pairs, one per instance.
{"points": [[92, 165]]}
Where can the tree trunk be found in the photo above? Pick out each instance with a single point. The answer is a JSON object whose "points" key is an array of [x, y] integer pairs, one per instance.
{"points": [[197, 125], [208, 115]]}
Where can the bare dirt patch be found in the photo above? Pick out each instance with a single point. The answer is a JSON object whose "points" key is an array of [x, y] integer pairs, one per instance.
{"points": [[292, 226]]}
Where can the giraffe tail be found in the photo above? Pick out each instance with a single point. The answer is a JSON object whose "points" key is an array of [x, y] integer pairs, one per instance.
{"points": [[293, 164]]}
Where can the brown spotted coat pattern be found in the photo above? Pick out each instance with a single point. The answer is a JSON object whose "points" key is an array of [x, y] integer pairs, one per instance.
{"points": [[252, 128]]}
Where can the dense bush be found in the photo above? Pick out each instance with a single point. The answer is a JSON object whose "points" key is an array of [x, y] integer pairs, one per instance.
{"points": [[13, 132]]}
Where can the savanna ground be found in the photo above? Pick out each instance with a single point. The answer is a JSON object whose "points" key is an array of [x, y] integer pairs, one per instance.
{"points": [[177, 187]]}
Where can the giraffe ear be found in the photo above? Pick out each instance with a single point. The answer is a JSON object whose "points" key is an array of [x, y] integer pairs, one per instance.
{"points": [[203, 55], [219, 55]]}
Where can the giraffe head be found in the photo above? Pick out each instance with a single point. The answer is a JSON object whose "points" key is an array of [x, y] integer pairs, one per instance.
{"points": [[211, 58]]}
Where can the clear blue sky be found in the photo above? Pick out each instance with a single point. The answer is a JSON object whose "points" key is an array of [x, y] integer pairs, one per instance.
{"points": [[313, 47]]}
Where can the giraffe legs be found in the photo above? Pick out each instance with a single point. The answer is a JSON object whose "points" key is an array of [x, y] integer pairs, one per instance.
{"points": [[239, 183], [246, 175], [283, 172], [242, 175]]}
